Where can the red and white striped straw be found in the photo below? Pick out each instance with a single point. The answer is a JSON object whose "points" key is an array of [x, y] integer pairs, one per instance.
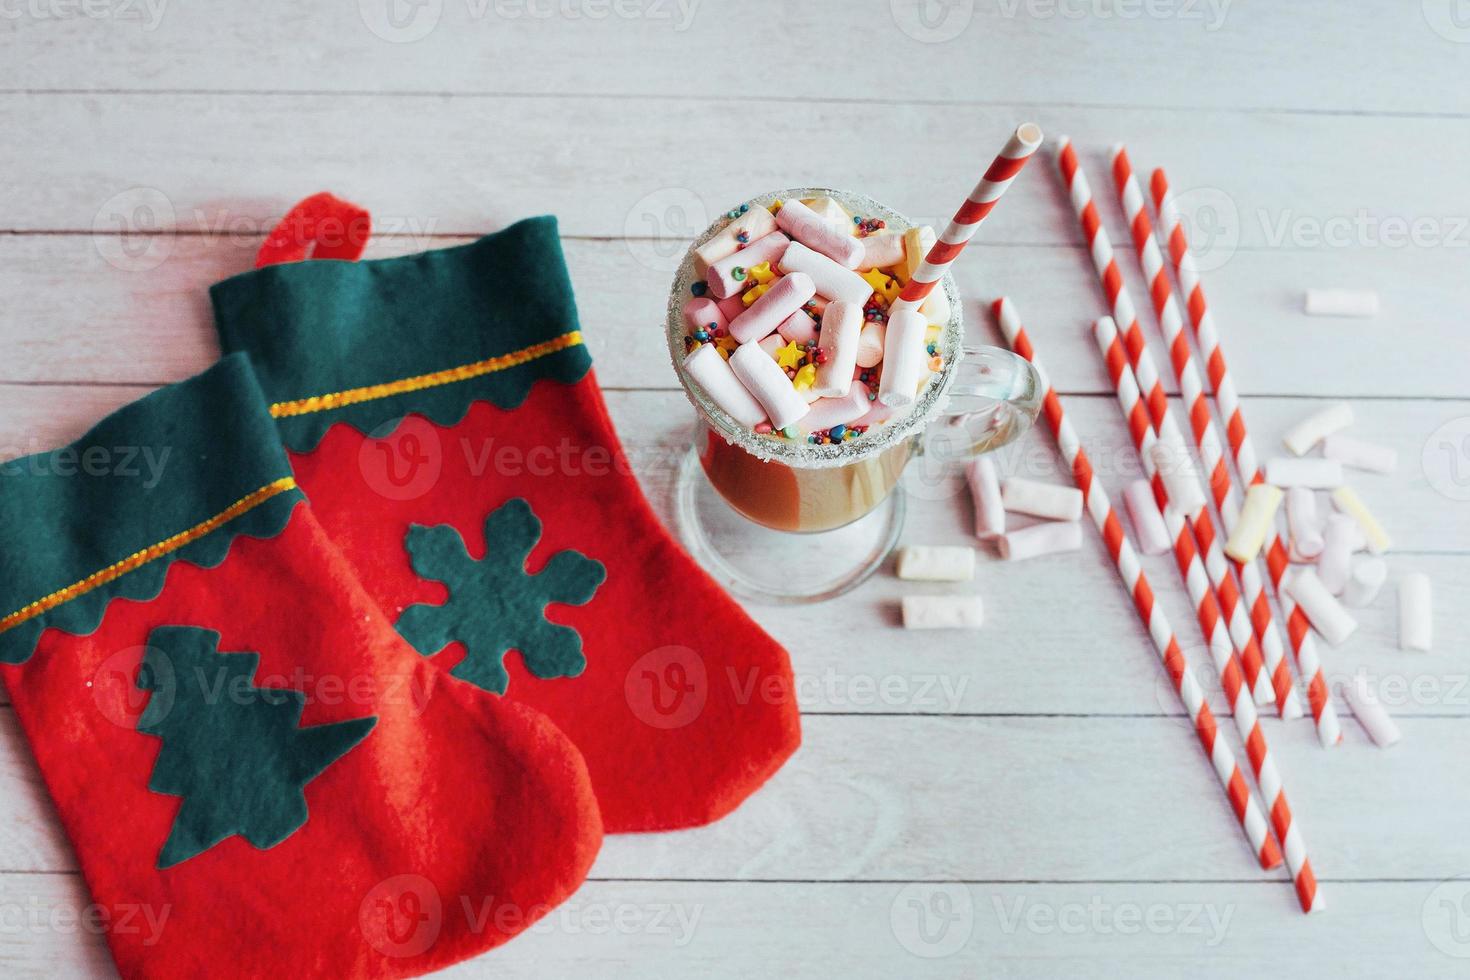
{"points": [[1259, 673], [977, 207], [1201, 423], [1171, 229], [1243, 801], [1232, 681]]}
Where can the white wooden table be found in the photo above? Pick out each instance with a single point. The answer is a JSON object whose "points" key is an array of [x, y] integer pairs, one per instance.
{"points": [[1025, 801]]}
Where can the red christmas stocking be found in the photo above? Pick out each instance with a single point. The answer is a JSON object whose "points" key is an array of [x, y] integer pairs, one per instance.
{"points": [[445, 421], [250, 763]]}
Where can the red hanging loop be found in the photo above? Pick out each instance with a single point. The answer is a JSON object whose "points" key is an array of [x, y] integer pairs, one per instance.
{"points": [[321, 226]]}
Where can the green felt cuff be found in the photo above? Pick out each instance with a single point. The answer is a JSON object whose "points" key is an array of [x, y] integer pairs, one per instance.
{"points": [[323, 328], [173, 476]]}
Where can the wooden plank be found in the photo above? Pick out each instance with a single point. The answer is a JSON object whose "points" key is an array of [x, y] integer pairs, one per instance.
{"points": [[902, 798], [106, 161], [1162, 54], [154, 325], [678, 929]]}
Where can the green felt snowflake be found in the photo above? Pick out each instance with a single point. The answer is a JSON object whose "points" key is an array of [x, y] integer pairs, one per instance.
{"points": [[494, 606]]}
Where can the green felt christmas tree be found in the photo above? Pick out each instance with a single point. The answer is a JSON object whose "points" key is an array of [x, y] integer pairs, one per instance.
{"points": [[235, 752]]}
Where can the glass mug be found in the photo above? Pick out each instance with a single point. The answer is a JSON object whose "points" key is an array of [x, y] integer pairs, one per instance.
{"points": [[785, 520]]}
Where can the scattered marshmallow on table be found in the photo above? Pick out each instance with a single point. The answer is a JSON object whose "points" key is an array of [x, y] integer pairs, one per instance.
{"points": [[1300, 438], [1301, 518], [712, 373], [905, 358], [833, 281], [1416, 613], [1346, 500], [1257, 520], [990, 513], [1365, 581], [727, 277], [785, 297], [882, 251], [1046, 538], [1048, 500], [754, 224], [804, 225], [1323, 611], [1150, 532], [1177, 469], [1341, 302], [764, 379], [870, 345], [1369, 711], [1360, 455], [1316, 474], [936, 563], [1341, 538], [937, 612], [842, 328]]}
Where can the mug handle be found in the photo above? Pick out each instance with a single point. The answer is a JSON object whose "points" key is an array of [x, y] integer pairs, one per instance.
{"points": [[993, 399]]}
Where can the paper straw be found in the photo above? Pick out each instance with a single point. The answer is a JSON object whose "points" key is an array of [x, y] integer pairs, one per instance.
{"points": [[1298, 630], [1243, 801], [977, 207], [1232, 681], [1264, 676]]}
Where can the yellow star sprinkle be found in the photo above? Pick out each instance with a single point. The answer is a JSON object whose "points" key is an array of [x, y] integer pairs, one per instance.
{"points": [[790, 355], [805, 378]]}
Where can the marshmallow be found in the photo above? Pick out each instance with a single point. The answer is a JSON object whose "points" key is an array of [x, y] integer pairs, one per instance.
{"points": [[1048, 500], [877, 411], [1257, 519], [1321, 607], [883, 250], [870, 345], [1341, 302], [772, 344], [937, 307], [799, 328], [722, 279], [990, 513], [703, 313], [939, 612], [1340, 540], [1416, 613], [1347, 500], [1046, 538], [710, 371], [905, 358], [1318, 474], [936, 563], [731, 306], [843, 410], [1149, 530], [764, 379], [842, 328], [1360, 455], [1301, 517], [833, 281], [786, 296], [1369, 711], [1364, 581], [806, 226], [916, 244], [757, 223], [1300, 438], [1177, 469], [832, 212]]}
